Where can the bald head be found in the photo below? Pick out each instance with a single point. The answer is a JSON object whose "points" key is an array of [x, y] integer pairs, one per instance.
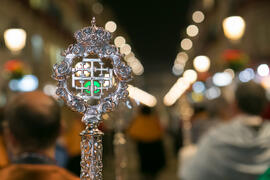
{"points": [[33, 119]]}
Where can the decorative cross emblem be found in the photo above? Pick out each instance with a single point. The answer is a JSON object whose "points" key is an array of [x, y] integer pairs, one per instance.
{"points": [[90, 78]]}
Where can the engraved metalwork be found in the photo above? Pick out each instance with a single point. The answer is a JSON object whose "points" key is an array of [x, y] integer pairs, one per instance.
{"points": [[86, 73], [91, 152], [83, 78]]}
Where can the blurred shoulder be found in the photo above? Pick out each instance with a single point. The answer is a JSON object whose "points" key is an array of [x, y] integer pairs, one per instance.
{"points": [[35, 172]]}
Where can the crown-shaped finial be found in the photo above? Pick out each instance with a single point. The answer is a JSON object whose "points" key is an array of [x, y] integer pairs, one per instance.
{"points": [[93, 35], [93, 21]]}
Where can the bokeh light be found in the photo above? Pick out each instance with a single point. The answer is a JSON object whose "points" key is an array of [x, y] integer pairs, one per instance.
{"points": [[136, 67], [212, 93], [111, 26], [263, 70], [13, 85], [208, 4], [15, 39], [201, 63], [119, 41], [28, 83], [198, 87], [176, 91], [190, 75], [97, 8], [222, 79], [230, 71], [246, 75], [234, 27], [265, 82], [198, 16], [197, 97], [177, 69], [50, 89], [125, 49], [181, 58], [142, 96], [186, 44], [192, 30]]}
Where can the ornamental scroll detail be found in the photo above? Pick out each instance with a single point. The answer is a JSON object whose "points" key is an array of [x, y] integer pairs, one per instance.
{"points": [[92, 79]]}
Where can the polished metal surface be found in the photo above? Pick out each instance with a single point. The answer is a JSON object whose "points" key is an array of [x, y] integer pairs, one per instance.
{"points": [[83, 78]]}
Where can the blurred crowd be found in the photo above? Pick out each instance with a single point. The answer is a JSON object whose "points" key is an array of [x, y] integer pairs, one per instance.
{"points": [[232, 144], [226, 140]]}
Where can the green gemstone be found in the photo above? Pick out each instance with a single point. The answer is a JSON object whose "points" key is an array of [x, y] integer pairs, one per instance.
{"points": [[96, 83]]}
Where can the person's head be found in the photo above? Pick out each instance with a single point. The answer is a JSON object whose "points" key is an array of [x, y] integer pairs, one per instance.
{"points": [[32, 122], [250, 98]]}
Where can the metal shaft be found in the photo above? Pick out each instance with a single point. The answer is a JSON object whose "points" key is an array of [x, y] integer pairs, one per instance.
{"points": [[91, 153]]}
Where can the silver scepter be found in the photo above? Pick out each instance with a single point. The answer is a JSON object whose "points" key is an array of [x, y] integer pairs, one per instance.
{"points": [[92, 79]]}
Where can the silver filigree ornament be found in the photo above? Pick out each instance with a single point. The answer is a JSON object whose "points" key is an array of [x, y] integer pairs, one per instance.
{"points": [[84, 69]]}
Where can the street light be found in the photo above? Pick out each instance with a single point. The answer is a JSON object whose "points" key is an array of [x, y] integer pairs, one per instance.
{"points": [[15, 39], [234, 27]]}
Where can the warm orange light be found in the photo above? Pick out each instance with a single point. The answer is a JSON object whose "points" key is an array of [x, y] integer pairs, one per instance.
{"points": [[201, 63], [142, 96], [111, 26], [15, 39], [176, 91], [234, 27]]}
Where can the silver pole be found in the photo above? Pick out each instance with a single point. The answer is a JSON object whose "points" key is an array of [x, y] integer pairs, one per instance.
{"points": [[91, 153]]}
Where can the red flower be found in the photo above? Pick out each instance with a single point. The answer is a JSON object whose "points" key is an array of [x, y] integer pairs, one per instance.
{"points": [[232, 55], [13, 65]]}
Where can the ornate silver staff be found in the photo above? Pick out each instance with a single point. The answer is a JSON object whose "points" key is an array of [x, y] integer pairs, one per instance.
{"points": [[92, 79]]}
